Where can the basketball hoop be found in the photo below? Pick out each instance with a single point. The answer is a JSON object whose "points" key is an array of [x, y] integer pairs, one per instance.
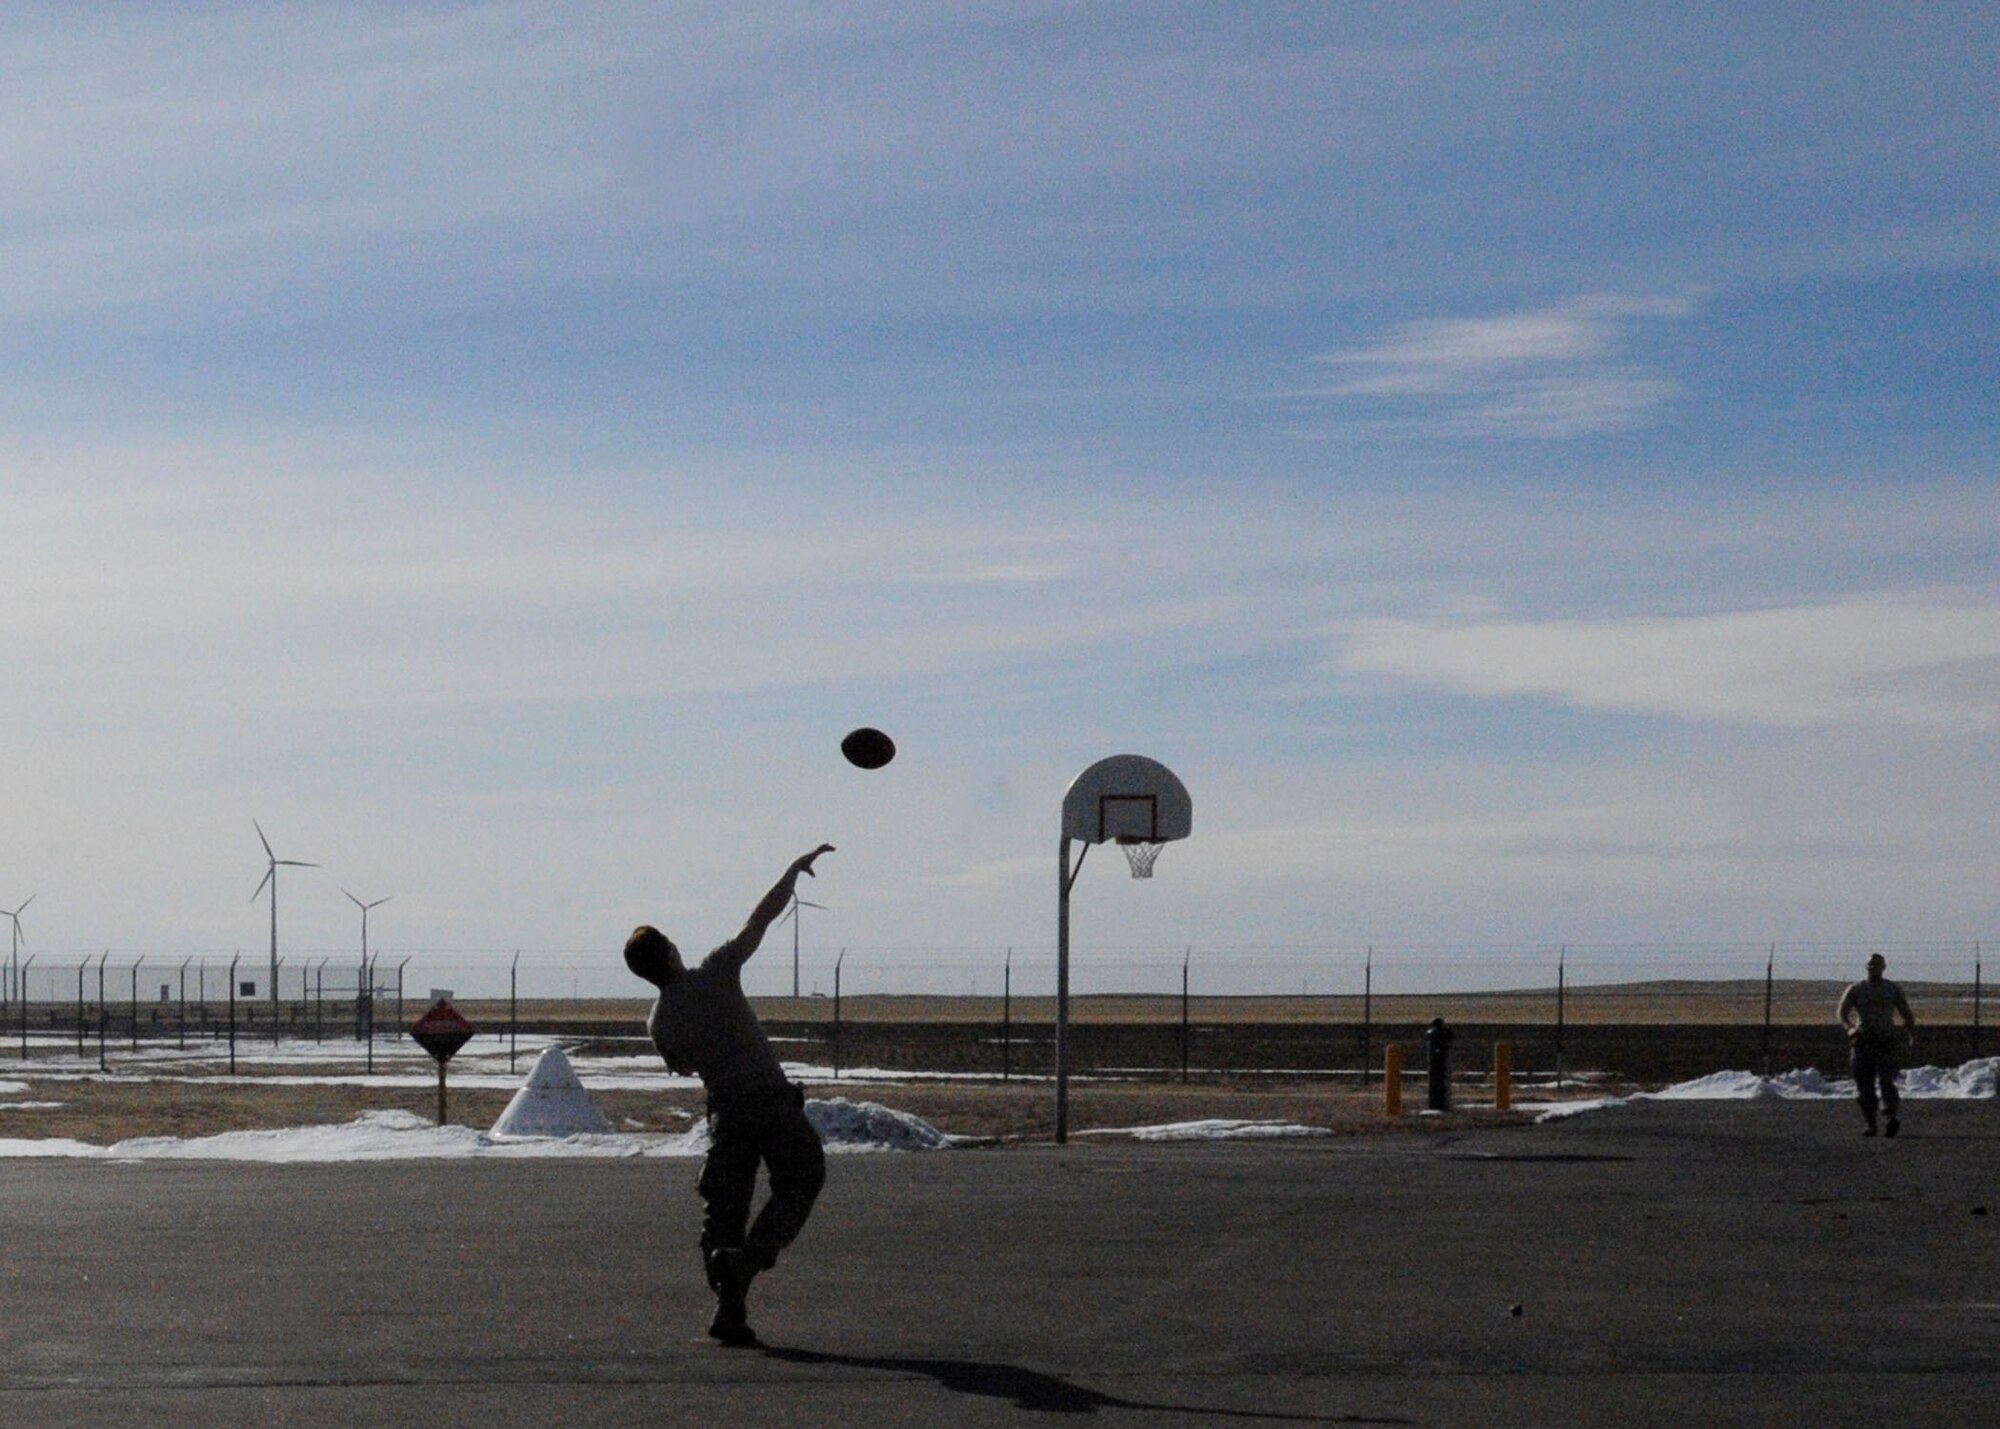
{"points": [[1141, 854], [1138, 804]]}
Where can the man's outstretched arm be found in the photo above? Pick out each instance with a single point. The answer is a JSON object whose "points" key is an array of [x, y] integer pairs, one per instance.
{"points": [[769, 908]]}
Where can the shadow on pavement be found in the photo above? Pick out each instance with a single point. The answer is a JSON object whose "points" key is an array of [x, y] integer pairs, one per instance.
{"points": [[1042, 1393]]}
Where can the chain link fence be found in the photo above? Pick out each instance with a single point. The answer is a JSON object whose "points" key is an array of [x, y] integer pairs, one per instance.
{"points": [[1647, 1012]]}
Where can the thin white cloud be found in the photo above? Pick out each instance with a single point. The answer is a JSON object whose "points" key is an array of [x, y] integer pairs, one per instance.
{"points": [[1549, 372], [1556, 407], [1928, 663]]}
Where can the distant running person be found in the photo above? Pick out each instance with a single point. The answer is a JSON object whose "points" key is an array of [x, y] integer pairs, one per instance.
{"points": [[704, 1026], [1868, 1010]]}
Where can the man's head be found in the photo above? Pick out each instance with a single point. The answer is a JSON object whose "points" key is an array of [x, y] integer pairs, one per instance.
{"points": [[1876, 963], [649, 954]]}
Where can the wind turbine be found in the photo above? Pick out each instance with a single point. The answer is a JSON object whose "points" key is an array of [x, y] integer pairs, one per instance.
{"points": [[14, 959], [364, 990], [271, 877], [793, 914]]}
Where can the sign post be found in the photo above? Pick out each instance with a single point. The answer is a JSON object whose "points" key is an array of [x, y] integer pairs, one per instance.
{"points": [[441, 1032]]}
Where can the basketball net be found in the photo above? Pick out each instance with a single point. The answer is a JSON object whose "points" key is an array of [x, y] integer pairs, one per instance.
{"points": [[1141, 854]]}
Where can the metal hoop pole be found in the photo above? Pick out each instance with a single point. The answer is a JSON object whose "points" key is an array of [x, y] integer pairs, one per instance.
{"points": [[1065, 878]]}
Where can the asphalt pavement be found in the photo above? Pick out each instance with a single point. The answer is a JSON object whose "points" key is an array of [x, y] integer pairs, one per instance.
{"points": [[1665, 1263]]}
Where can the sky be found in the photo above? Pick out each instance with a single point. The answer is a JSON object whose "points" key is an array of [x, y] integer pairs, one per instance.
{"points": [[1529, 470]]}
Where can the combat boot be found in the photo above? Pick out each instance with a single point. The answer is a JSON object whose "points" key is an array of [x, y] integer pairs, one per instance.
{"points": [[729, 1275]]}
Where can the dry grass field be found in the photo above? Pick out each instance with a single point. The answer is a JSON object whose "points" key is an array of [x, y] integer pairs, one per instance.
{"points": [[1679, 1003], [1251, 1059], [103, 1112]]}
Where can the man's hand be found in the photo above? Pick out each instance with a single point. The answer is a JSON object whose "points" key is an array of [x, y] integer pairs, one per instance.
{"points": [[804, 862]]}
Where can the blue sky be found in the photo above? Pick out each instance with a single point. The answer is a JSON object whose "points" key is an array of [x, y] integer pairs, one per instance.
{"points": [[1530, 470]]}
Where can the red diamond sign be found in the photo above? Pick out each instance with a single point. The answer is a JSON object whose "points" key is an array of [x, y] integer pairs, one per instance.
{"points": [[441, 1031]]}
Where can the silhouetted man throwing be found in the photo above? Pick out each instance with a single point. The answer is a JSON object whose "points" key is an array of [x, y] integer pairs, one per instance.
{"points": [[1868, 1010], [703, 1025]]}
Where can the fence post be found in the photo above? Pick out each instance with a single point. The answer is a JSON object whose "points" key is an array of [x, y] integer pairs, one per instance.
{"points": [[1562, 958], [1184, 1012], [836, 1012], [1770, 966], [1975, 999], [24, 1005], [513, 1007], [1007, 1017], [1368, 1017]]}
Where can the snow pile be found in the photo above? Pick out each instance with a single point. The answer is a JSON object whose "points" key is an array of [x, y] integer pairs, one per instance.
{"points": [[552, 1103], [1213, 1129], [1973, 1080], [405, 1136], [1726, 1086], [866, 1126]]}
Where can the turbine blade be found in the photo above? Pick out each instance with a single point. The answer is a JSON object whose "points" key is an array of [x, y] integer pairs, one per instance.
{"points": [[24, 906], [380, 901], [269, 874], [293, 863], [261, 839], [352, 899]]}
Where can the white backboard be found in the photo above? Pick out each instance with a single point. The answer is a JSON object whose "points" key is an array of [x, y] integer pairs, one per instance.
{"points": [[1127, 796]]}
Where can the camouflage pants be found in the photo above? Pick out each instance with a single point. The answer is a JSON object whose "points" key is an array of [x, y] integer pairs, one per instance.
{"points": [[1876, 1062], [776, 1135]]}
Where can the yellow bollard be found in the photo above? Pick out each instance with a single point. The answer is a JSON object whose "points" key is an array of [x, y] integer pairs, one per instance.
{"points": [[1392, 1080], [1503, 1076]]}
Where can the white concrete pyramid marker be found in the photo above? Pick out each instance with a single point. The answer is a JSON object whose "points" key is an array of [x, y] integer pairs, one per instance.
{"points": [[553, 1103]]}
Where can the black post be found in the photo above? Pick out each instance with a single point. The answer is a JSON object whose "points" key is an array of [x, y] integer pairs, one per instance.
{"points": [[1975, 999], [184, 1002], [1007, 1017], [836, 1012], [24, 1006], [232, 1012], [135, 1004], [513, 1007], [103, 1018], [1184, 1013], [1437, 1047], [1368, 1018], [1770, 966], [80, 967], [1562, 957]]}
